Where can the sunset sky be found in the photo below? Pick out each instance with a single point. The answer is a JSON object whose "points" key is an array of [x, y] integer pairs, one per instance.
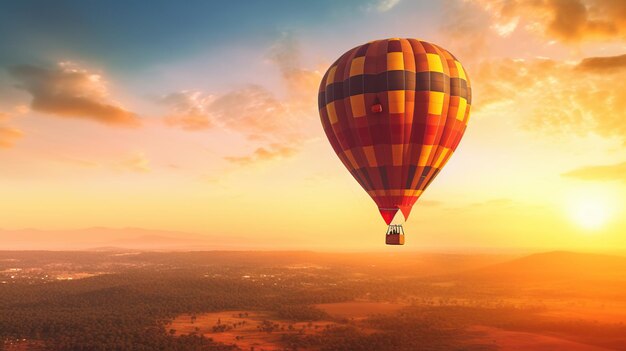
{"points": [[202, 117]]}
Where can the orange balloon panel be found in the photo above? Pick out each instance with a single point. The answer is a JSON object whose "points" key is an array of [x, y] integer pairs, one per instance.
{"points": [[394, 111]]}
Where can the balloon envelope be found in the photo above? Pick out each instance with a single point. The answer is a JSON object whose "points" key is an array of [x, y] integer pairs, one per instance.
{"points": [[394, 111]]}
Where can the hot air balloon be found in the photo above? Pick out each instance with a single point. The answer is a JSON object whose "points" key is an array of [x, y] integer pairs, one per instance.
{"points": [[394, 111]]}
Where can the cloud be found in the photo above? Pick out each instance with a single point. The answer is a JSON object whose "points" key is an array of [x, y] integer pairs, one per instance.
{"points": [[603, 64], [251, 110], [8, 136], [386, 5], [271, 152], [135, 163], [381, 5], [599, 173], [469, 35], [554, 96], [301, 83], [262, 116], [68, 91], [189, 110], [21, 109], [563, 20]]}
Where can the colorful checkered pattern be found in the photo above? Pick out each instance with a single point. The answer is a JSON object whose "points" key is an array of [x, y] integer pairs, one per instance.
{"points": [[425, 97]]}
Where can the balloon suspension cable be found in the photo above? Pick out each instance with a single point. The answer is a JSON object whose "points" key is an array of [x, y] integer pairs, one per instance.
{"points": [[395, 229]]}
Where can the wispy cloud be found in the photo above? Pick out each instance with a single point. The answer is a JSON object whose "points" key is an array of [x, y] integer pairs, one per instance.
{"points": [[271, 152], [137, 162], [563, 20], [603, 64], [9, 136], [301, 83], [599, 173], [555, 96], [381, 5], [69, 91], [253, 110], [189, 110], [469, 35]]}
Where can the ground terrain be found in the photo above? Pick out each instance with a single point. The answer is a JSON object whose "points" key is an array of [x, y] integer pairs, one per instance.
{"points": [[112, 299]]}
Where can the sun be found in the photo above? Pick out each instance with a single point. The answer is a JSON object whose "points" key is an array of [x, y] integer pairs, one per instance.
{"points": [[590, 213]]}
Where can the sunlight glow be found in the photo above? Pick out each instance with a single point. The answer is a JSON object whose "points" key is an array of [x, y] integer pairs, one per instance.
{"points": [[590, 214], [591, 209]]}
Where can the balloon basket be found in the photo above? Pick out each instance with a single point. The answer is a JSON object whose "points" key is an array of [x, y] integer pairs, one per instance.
{"points": [[394, 239], [395, 235]]}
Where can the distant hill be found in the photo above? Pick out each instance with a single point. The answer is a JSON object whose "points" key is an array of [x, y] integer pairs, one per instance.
{"points": [[99, 237], [217, 249], [556, 266]]}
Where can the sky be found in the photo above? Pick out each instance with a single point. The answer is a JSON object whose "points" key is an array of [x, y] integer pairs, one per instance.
{"points": [[202, 117]]}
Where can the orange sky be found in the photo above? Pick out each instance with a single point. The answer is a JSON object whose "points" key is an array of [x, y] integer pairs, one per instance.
{"points": [[226, 138]]}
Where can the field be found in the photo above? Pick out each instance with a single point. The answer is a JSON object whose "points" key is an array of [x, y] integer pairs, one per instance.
{"points": [[589, 310], [358, 310], [247, 330], [219, 301], [264, 331], [522, 341]]}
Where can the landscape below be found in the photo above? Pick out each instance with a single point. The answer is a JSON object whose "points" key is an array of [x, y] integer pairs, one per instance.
{"points": [[118, 299]]}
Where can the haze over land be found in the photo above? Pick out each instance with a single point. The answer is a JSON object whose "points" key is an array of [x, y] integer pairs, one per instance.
{"points": [[134, 300], [103, 238]]}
